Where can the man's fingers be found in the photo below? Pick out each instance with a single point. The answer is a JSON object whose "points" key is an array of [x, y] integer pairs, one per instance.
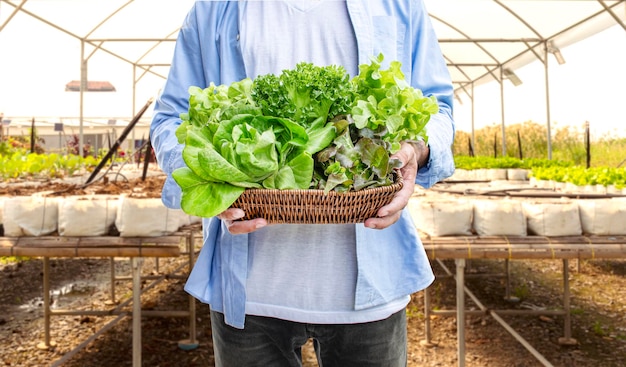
{"points": [[230, 218], [384, 222], [245, 226], [231, 214]]}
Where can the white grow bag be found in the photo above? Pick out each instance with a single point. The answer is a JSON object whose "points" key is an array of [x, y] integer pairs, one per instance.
{"points": [[553, 219], [499, 218], [87, 215], [442, 217], [147, 218], [30, 216], [603, 217]]}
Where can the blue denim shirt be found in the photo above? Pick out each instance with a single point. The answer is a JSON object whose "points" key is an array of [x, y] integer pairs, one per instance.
{"points": [[391, 262]]}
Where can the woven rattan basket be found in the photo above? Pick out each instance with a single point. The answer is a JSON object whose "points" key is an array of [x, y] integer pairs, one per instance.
{"points": [[315, 206]]}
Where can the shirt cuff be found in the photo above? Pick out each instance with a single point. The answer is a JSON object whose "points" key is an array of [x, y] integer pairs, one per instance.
{"points": [[440, 164]]}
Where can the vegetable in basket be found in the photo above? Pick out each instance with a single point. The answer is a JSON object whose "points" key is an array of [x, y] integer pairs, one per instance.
{"points": [[312, 127]]}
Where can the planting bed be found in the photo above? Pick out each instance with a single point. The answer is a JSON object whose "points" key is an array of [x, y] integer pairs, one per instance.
{"points": [[598, 309]]}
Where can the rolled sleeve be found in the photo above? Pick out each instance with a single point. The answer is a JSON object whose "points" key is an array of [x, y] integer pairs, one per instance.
{"points": [[440, 164], [171, 194]]}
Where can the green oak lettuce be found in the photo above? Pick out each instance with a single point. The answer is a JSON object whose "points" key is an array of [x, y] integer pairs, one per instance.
{"points": [[306, 93], [385, 111]]}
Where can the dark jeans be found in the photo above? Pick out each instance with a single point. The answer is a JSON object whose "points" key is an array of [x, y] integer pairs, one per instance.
{"points": [[270, 342]]}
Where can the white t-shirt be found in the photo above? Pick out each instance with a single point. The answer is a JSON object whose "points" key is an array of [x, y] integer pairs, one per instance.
{"points": [[276, 35], [303, 273]]}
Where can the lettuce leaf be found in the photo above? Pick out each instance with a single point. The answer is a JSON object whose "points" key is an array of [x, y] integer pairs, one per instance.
{"points": [[204, 198]]}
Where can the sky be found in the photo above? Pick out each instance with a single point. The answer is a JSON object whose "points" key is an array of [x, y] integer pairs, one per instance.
{"points": [[37, 61]]}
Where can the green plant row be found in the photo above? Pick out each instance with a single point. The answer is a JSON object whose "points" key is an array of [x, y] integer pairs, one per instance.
{"points": [[34, 165], [549, 170], [471, 163], [582, 176]]}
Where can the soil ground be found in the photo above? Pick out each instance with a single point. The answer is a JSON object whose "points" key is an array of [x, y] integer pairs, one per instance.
{"points": [[598, 313]]}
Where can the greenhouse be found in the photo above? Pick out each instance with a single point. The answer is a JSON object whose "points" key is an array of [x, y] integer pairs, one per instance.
{"points": [[527, 239]]}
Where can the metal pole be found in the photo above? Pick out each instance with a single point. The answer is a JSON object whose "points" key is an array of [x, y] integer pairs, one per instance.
{"points": [[428, 334], [67, 356], [47, 343], [567, 323], [547, 77], [83, 88], [136, 270], [192, 342], [566, 301], [113, 278], [46, 303], [132, 138], [473, 121], [502, 112], [460, 310], [507, 269], [521, 340], [192, 299]]}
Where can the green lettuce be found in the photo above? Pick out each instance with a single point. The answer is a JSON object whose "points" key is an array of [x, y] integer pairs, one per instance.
{"points": [[247, 151], [385, 111], [312, 127]]}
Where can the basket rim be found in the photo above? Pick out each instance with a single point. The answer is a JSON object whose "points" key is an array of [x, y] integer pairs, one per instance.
{"points": [[395, 186], [314, 206]]}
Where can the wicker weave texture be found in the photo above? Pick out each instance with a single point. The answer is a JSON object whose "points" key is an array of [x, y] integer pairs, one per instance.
{"points": [[315, 206]]}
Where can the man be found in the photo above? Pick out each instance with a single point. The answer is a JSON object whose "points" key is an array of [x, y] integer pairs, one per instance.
{"points": [[346, 286]]}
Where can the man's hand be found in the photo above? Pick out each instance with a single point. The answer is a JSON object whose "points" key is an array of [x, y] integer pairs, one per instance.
{"points": [[230, 216], [410, 154]]}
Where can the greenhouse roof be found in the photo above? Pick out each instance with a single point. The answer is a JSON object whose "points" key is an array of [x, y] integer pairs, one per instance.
{"points": [[479, 38]]}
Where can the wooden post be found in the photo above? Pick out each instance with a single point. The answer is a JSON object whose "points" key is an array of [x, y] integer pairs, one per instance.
{"points": [[32, 135], [495, 145], [146, 160], [519, 145], [588, 144]]}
